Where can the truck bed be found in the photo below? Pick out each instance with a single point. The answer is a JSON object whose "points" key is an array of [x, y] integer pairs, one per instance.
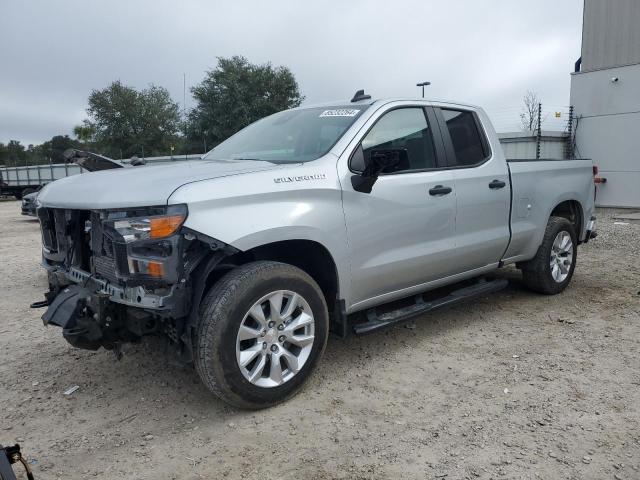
{"points": [[538, 186]]}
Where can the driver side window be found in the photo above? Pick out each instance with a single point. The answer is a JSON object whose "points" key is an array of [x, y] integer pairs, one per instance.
{"points": [[405, 129]]}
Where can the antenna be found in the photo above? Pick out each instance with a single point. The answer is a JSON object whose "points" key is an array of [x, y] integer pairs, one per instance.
{"points": [[360, 96]]}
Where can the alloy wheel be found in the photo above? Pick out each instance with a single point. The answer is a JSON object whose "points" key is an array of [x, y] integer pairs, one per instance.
{"points": [[561, 256], [275, 339]]}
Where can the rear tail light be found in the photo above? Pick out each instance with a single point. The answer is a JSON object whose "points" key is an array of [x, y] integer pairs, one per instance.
{"points": [[596, 178]]}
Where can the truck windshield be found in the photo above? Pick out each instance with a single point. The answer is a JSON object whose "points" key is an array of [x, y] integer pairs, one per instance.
{"points": [[291, 136]]}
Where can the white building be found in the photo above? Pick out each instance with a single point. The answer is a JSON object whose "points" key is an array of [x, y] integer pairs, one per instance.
{"points": [[605, 93]]}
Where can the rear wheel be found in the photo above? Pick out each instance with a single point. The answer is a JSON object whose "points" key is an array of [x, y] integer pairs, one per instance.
{"points": [[262, 329], [550, 271]]}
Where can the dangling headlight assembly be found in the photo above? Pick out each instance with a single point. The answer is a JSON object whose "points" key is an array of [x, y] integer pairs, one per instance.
{"points": [[145, 241], [159, 222]]}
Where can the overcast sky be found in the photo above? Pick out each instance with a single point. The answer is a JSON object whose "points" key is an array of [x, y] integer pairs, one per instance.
{"points": [[53, 53]]}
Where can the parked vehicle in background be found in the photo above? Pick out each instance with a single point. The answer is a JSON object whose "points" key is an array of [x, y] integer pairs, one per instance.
{"points": [[21, 181], [29, 204], [309, 220]]}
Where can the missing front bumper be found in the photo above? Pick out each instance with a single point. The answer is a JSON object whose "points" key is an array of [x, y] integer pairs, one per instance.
{"points": [[69, 311], [90, 320], [94, 313], [130, 296]]}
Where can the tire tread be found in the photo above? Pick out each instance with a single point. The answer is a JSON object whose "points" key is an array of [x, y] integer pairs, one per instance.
{"points": [[211, 320], [534, 271]]}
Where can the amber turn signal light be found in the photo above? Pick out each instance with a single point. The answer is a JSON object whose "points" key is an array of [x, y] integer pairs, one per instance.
{"points": [[161, 227]]}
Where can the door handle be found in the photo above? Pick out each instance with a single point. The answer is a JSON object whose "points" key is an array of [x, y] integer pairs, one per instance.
{"points": [[497, 184], [439, 190]]}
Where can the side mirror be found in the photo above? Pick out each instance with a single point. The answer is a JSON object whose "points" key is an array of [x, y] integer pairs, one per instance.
{"points": [[375, 163], [385, 161]]}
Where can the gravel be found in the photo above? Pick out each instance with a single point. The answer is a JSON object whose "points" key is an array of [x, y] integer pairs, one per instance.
{"points": [[612, 236], [514, 385]]}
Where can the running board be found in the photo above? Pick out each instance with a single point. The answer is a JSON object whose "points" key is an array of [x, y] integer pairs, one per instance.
{"points": [[377, 321]]}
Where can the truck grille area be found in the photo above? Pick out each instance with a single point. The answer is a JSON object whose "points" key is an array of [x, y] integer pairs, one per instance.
{"points": [[47, 225], [74, 238], [105, 268]]}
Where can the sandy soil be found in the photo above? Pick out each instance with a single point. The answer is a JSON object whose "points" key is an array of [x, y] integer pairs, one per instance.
{"points": [[515, 385]]}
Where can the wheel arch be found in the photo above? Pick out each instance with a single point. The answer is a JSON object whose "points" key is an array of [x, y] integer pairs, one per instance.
{"points": [[573, 212], [309, 256]]}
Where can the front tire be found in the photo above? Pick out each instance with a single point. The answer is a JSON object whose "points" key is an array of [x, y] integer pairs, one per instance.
{"points": [[261, 331], [551, 270]]}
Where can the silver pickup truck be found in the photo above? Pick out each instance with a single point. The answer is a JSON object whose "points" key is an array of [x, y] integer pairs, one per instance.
{"points": [[334, 217]]}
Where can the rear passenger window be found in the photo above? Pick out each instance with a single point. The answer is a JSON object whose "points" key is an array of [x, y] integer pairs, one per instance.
{"points": [[407, 129], [465, 136]]}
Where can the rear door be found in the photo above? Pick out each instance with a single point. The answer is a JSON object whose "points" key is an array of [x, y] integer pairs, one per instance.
{"points": [[483, 195]]}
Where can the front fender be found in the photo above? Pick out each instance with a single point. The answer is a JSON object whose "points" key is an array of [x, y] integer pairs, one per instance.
{"points": [[248, 211]]}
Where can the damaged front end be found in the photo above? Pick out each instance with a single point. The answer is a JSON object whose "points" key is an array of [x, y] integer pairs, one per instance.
{"points": [[117, 275]]}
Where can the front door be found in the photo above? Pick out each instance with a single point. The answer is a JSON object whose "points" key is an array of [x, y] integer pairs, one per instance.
{"points": [[400, 234]]}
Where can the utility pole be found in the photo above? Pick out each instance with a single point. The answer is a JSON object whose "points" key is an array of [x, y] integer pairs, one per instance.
{"points": [[423, 84], [539, 133]]}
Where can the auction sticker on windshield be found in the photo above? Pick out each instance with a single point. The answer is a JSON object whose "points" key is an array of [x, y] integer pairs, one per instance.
{"points": [[343, 112]]}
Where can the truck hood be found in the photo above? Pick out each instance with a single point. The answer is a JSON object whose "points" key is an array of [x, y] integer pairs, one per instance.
{"points": [[138, 186], [90, 161]]}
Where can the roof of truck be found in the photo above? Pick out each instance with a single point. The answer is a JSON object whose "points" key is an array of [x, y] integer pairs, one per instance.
{"points": [[382, 101]]}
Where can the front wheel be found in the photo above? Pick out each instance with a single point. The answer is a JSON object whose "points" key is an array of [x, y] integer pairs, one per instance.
{"points": [[550, 271], [262, 328]]}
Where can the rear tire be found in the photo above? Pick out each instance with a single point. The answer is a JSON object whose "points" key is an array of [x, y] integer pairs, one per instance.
{"points": [[551, 270], [241, 370]]}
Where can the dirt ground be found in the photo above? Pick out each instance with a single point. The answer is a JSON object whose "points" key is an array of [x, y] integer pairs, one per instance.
{"points": [[515, 385]]}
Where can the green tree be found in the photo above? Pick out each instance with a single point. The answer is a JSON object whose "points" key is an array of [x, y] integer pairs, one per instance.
{"points": [[235, 94], [33, 154], [53, 149], [14, 153], [129, 122], [84, 132], [4, 154]]}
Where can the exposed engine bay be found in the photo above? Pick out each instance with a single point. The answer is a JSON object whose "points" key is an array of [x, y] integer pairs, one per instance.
{"points": [[117, 275]]}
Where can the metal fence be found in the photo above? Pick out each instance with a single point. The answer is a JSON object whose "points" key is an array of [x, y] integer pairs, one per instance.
{"points": [[547, 125], [509, 118], [525, 145]]}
